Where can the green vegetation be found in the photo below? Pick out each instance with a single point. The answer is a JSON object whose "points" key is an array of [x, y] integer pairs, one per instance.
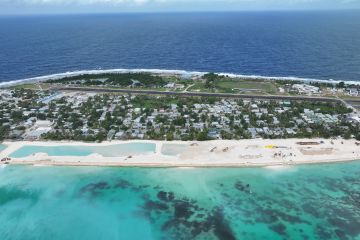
{"points": [[88, 117], [4, 132], [32, 86], [167, 127], [115, 79], [224, 84], [210, 79], [231, 85], [341, 85], [210, 82]]}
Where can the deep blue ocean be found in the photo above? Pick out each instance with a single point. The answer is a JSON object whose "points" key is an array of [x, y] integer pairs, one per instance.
{"points": [[322, 45]]}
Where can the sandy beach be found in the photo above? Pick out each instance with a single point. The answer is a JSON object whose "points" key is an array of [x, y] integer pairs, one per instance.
{"points": [[221, 153]]}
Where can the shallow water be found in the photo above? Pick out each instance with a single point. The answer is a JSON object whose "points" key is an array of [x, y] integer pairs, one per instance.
{"points": [[2, 147], [303, 202], [116, 150]]}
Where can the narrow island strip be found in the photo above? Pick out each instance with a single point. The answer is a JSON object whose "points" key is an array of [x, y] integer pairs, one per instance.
{"points": [[217, 153]]}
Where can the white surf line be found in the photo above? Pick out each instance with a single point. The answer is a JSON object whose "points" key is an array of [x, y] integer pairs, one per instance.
{"points": [[164, 71]]}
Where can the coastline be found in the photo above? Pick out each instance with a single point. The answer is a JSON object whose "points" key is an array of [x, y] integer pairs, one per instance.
{"points": [[218, 153], [57, 76]]}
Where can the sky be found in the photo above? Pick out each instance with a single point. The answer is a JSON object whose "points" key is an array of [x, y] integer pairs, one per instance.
{"points": [[103, 6]]}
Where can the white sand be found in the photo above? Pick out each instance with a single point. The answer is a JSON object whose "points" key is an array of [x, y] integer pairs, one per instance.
{"points": [[255, 152]]}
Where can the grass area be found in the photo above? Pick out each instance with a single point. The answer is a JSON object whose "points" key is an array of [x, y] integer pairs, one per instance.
{"points": [[229, 85], [27, 86], [199, 87], [349, 98], [238, 86], [161, 89], [32, 86]]}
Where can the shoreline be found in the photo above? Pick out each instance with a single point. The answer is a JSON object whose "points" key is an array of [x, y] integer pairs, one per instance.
{"points": [[57, 76], [208, 154], [275, 166]]}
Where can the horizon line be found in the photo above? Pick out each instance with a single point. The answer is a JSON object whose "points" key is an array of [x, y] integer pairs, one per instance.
{"points": [[177, 12]]}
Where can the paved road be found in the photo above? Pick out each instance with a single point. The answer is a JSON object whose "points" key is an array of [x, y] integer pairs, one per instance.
{"points": [[200, 94]]}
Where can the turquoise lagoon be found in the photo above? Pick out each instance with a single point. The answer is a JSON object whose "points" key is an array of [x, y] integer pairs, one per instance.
{"points": [[115, 150], [2, 147], [63, 203]]}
